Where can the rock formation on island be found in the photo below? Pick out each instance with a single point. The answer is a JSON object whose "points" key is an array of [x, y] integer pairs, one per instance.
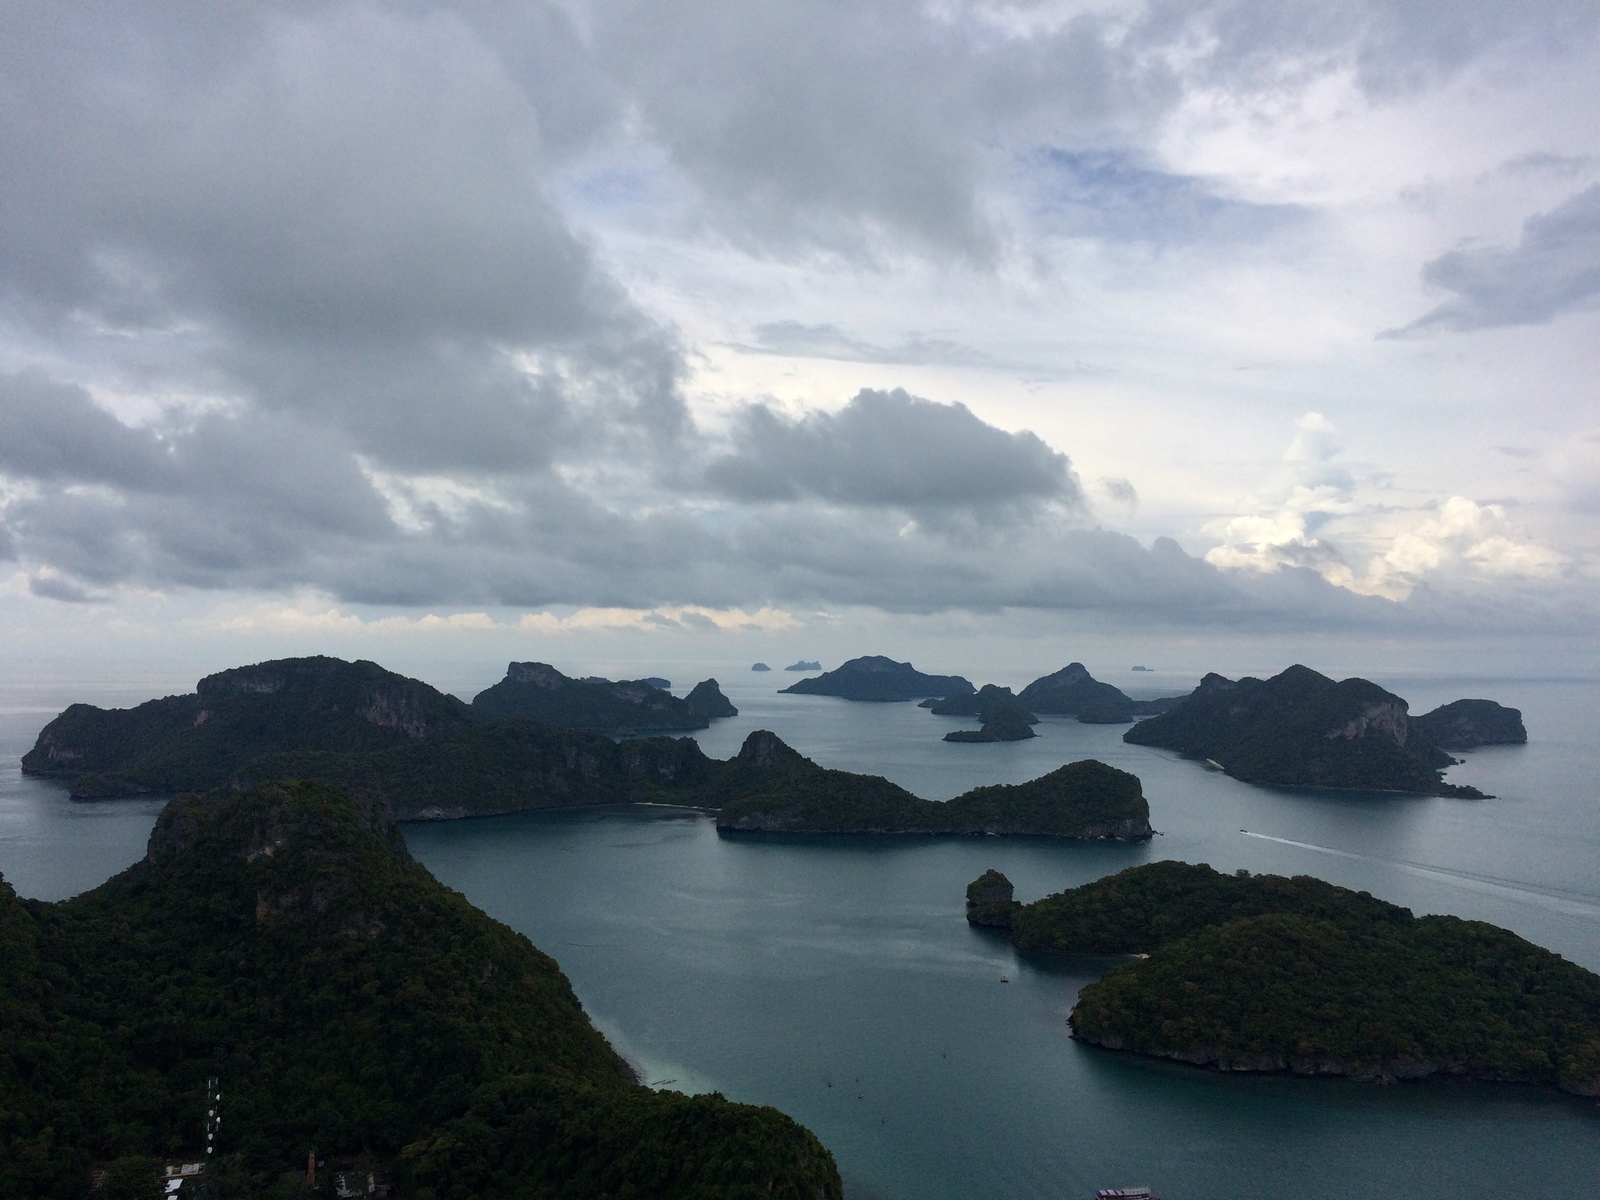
{"points": [[539, 692], [1297, 975], [1300, 728], [283, 940], [771, 788], [1467, 724], [874, 677]]}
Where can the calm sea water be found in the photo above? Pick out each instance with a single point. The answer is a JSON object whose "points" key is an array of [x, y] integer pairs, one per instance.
{"points": [[837, 979]]}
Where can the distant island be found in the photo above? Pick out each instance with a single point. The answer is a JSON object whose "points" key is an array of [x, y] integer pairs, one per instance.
{"points": [[771, 788], [431, 757], [1073, 692], [282, 940], [876, 678], [1138, 668], [1004, 718], [1301, 728], [1271, 974], [356, 724], [760, 667], [539, 692], [1468, 724], [803, 665]]}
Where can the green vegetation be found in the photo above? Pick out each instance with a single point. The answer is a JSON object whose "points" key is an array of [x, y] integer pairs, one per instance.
{"points": [[1271, 974], [1300, 728], [283, 940], [539, 692], [772, 788]]}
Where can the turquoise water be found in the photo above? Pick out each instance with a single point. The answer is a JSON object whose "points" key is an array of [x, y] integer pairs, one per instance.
{"points": [[836, 978]]}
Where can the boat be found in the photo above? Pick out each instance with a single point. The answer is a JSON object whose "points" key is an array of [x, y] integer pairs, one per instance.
{"points": [[1131, 1193]]}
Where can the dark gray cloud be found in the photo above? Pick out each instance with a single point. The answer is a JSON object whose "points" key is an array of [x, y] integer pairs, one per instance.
{"points": [[896, 450], [1554, 268], [1110, 195]]}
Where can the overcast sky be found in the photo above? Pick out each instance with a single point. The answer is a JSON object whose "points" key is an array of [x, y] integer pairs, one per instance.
{"points": [[730, 325]]}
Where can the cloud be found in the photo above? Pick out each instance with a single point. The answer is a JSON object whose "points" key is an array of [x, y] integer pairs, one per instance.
{"points": [[1553, 269], [1110, 195], [793, 338], [892, 449], [53, 587]]}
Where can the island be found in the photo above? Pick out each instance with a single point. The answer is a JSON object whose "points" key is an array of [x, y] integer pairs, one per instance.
{"points": [[760, 667], [804, 665], [620, 708], [431, 757], [877, 678], [1468, 724], [1004, 718], [772, 788], [1303, 729], [1073, 692], [1266, 973], [427, 753], [282, 941]]}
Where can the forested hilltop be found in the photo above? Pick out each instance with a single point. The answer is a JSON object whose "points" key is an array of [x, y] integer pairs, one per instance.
{"points": [[1264, 973], [429, 756], [283, 940]]}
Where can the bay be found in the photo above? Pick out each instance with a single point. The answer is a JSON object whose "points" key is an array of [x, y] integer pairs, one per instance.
{"points": [[837, 979]]}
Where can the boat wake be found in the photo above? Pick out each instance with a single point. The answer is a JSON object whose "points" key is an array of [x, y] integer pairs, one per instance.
{"points": [[1577, 904]]}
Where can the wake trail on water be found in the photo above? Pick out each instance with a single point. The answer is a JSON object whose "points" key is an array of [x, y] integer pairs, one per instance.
{"points": [[1576, 904]]}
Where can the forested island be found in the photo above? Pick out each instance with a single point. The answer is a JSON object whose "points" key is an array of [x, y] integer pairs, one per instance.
{"points": [[1301, 728], [1266, 973], [431, 757], [1002, 716], [774, 789], [618, 708], [282, 940]]}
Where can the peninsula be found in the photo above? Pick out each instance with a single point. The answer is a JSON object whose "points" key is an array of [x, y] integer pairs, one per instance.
{"points": [[771, 788], [539, 692], [1300, 728], [282, 940], [1296, 975], [880, 679]]}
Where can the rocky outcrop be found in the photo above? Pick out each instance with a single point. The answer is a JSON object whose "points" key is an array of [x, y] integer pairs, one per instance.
{"points": [[989, 901], [707, 699]]}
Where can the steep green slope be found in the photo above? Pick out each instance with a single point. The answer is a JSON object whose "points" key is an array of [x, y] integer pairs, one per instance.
{"points": [[283, 940]]}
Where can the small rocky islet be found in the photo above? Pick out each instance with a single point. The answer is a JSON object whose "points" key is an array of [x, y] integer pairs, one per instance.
{"points": [[1271, 974]]}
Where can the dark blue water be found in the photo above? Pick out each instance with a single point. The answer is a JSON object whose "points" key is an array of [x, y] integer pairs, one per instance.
{"points": [[836, 978]]}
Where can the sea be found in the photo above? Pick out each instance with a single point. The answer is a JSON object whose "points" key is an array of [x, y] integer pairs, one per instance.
{"points": [[836, 978]]}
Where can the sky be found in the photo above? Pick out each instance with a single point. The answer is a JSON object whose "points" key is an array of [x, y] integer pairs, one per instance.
{"points": [[611, 332]]}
